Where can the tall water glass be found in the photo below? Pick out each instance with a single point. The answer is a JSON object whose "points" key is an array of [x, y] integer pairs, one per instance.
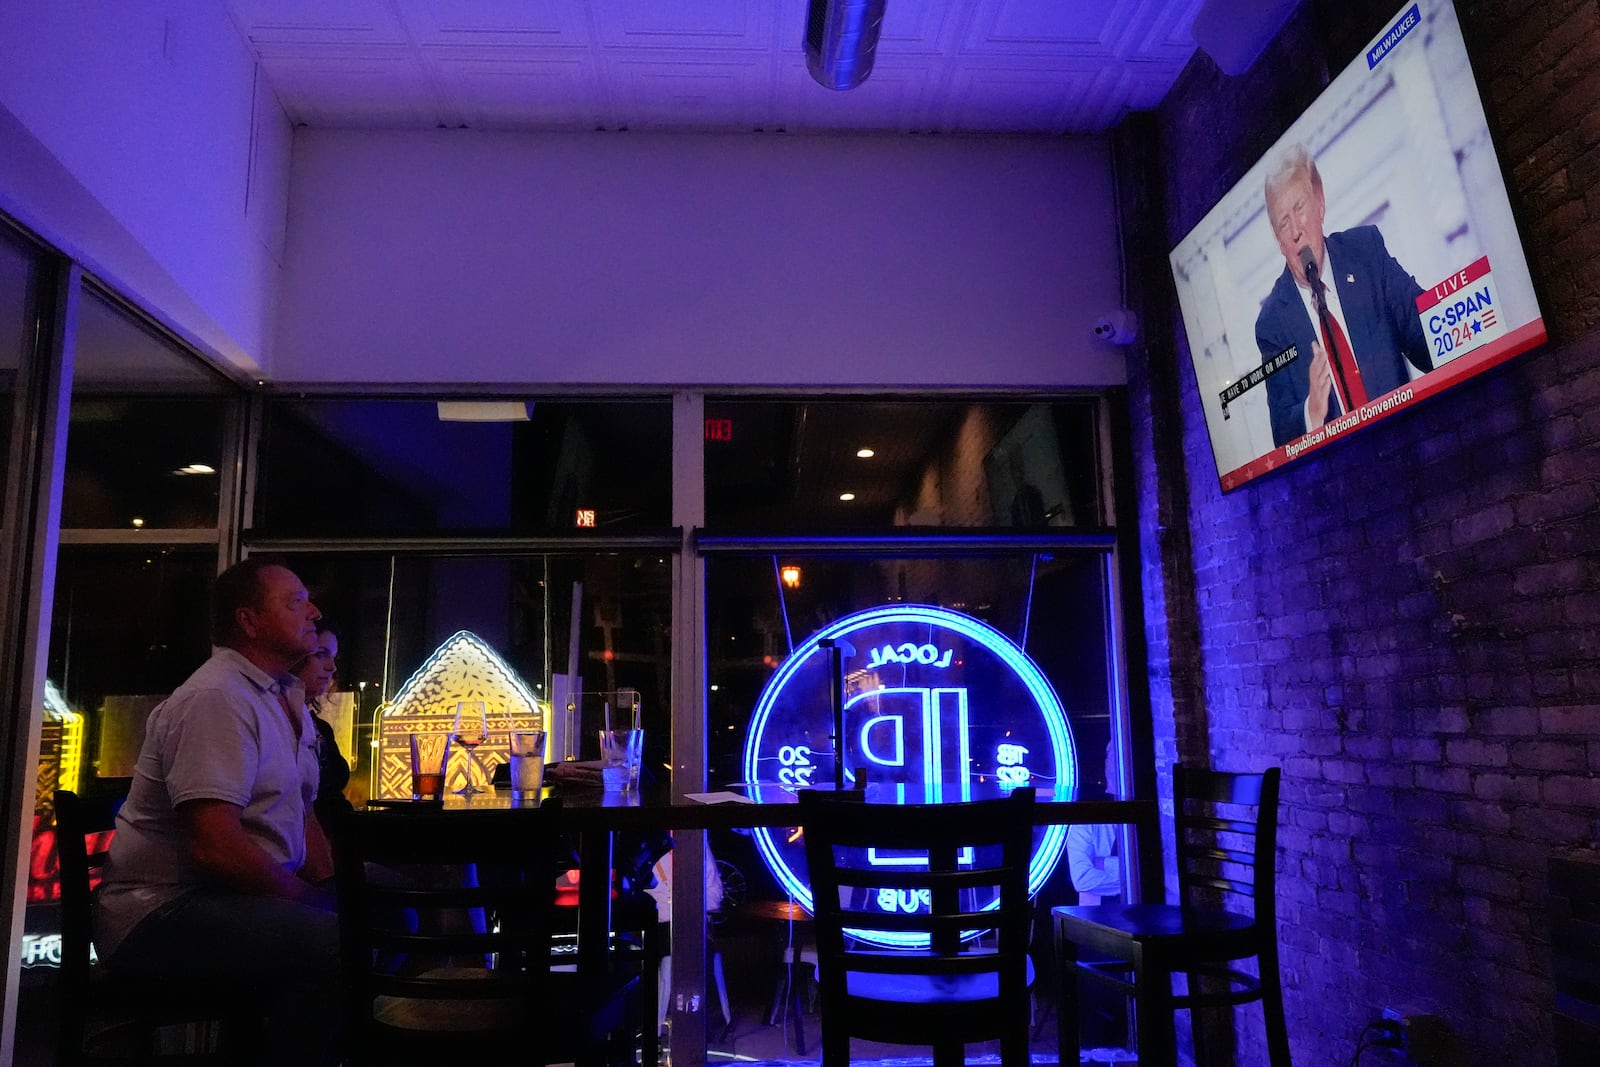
{"points": [[527, 761]]}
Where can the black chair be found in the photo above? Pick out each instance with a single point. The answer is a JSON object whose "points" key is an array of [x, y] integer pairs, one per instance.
{"points": [[109, 1020], [959, 989], [1226, 829], [424, 986]]}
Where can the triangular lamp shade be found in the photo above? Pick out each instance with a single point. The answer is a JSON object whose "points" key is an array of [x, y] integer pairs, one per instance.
{"points": [[463, 668]]}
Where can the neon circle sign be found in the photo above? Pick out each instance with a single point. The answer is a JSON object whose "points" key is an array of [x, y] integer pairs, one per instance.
{"points": [[938, 707]]}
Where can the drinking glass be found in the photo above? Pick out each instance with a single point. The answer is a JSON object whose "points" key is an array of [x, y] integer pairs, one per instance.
{"points": [[430, 759], [620, 755], [527, 761], [471, 730]]}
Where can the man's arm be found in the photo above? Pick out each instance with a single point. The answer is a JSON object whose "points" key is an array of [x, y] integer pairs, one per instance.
{"points": [[1092, 871], [1400, 300], [1288, 389], [318, 867], [217, 843]]}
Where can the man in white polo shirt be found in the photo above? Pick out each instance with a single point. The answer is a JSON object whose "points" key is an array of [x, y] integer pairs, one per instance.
{"points": [[219, 865]]}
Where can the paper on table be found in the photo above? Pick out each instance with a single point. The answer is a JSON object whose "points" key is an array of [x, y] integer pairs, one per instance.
{"points": [[722, 797]]}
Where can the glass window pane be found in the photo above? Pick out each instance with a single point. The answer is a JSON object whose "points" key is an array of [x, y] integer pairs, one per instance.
{"points": [[19, 282], [799, 465], [348, 467], [962, 675], [127, 620], [146, 438], [118, 352], [143, 462], [394, 615]]}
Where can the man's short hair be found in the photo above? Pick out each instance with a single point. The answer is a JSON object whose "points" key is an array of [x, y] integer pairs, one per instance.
{"points": [[1295, 162], [240, 586]]}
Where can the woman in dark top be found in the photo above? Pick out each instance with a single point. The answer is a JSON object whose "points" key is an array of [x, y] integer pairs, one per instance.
{"points": [[316, 674]]}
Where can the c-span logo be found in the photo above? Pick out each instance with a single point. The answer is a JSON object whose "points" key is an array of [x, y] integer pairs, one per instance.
{"points": [[1461, 313]]}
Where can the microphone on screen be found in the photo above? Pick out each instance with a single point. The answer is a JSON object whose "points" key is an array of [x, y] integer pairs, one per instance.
{"points": [[1308, 265]]}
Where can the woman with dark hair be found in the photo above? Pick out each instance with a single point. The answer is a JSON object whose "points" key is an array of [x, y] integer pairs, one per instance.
{"points": [[316, 674]]}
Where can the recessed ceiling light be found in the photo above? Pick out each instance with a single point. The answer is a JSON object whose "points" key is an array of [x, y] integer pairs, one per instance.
{"points": [[196, 468], [865, 453], [847, 496], [138, 521]]}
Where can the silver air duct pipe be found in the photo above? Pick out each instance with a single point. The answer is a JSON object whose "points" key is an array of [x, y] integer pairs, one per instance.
{"points": [[841, 40]]}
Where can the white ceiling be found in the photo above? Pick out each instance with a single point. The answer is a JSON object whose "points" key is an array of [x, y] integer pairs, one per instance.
{"points": [[1036, 66]]}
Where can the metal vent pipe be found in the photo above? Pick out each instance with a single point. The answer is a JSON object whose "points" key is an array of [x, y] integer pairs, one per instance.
{"points": [[842, 40]]}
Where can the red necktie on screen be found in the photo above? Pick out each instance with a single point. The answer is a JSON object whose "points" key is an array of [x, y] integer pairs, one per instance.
{"points": [[1344, 366]]}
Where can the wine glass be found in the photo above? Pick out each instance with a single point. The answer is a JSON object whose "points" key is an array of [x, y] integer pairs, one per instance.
{"points": [[471, 730]]}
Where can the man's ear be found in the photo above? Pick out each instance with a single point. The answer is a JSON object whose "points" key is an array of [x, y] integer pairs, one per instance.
{"points": [[244, 619]]}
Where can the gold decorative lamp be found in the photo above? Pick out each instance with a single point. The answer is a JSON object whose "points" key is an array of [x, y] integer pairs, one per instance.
{"points": [[463, 668]]}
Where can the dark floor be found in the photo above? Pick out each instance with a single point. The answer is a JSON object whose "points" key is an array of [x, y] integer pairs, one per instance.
{"points": [[753, 969]]}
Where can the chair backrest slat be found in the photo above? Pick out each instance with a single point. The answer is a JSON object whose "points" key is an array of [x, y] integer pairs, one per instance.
{"points": [[1221, 848], [389, 862], [971, 848]]}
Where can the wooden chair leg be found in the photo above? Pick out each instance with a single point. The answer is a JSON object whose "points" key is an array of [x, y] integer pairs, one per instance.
{"points": [[1272, 1011], [1197, 1024], [835, 1045], [1158, 1045], [1014, 1044], [1067, 999]]}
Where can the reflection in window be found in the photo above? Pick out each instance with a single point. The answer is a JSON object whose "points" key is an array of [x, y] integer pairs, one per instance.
{"points": [[119, 352], [785, 465], [129, 624], [395, 612], [143, 463], [340, 467], [145, 446], [19, 282], [1050, 608]]}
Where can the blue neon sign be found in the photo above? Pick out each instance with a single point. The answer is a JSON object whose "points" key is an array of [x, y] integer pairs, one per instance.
{"points": [[939, 706]]}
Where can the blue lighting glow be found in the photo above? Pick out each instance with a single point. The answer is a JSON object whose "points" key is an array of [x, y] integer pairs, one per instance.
{"points": [[938, 705]]}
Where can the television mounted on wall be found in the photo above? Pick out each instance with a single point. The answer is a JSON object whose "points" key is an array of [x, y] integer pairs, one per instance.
{"points": [[1366, 262]]}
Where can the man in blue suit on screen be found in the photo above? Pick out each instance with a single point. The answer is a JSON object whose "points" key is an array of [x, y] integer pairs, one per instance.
{"points": [[1353, 337]]}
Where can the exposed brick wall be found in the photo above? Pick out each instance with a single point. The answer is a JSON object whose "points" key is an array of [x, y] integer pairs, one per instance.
{"points": [[1420, 650]]}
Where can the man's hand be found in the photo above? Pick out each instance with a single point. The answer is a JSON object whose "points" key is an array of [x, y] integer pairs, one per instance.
{"points": [[318, 869], [217, 843], [1321, 386]]}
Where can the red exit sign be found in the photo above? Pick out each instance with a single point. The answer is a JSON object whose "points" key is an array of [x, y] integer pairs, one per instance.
{"points": [[586, 518], [719, 429]]}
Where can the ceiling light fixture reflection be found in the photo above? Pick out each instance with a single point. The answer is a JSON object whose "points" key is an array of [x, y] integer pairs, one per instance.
{"points": [[196, 468], [847, 496], [137, 521], [484, 410], [865, 453]]}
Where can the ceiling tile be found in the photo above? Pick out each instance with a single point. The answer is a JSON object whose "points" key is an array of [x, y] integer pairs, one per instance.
{"points": [[345, 90], [1044, 66], [895, 97], [695, 91], [510, 89], [289, 22], [474, 23], [690, 24]]}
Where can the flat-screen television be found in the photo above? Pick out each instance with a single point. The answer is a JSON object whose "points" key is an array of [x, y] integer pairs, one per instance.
{"points": [[1366, 262]]}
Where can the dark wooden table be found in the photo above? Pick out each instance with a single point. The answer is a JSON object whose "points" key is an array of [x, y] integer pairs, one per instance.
{"points": [[596, 815]]}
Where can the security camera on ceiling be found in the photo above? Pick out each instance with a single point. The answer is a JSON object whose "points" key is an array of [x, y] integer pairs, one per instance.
{"points": [[1120, 327]]}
